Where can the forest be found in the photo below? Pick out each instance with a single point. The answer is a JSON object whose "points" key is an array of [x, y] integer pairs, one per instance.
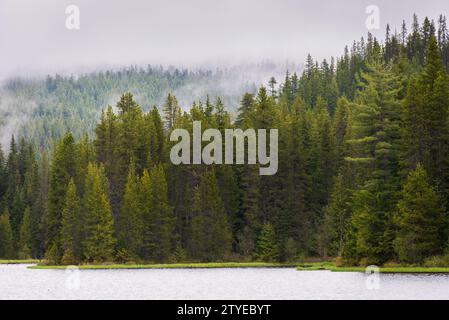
{"points": [[362, 178], [43, 109]]}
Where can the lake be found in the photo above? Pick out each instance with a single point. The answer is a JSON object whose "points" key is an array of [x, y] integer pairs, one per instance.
{"points": [[18, 282]]}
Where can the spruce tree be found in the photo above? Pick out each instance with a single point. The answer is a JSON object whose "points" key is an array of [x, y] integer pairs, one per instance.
{"points": [[157, 215], [99, 240], [6, 237], [267, 249], [63, 168], [71, 229], [130, 220], [210, 235], [420, 219], [171, 111], [25, 242], [425, 120], [374, 155]]}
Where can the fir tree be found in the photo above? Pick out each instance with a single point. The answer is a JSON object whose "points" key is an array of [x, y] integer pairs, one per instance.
{"points": [[425, 120], [6, 237], [130, 220], [267, 249], [63, 168], [25, 242], [99, 226], [71, 229], [210, 238], [420, 219]]}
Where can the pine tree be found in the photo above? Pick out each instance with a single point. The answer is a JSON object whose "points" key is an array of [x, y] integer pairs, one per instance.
{"points": [[99, 226], [71, 229], [210, 238], [63, 168], [425, 120], [157, 215], [6, 237], [375, 156], [267, 249], [158, 138], [337, 217], [25, 242], [420, 219], [171, 110], [272, 83], [130, 220]]}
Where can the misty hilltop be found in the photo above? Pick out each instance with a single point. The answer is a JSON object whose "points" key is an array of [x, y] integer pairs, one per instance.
{"points": [[43, 109]]}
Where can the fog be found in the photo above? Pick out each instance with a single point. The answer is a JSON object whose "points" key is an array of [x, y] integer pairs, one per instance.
{"points": [[34, 39]]}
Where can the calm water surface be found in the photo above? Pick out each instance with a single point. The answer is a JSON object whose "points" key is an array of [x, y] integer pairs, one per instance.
{"points": [[18, 282]]}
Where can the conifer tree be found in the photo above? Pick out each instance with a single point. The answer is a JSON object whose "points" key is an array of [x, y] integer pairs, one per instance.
{"points": [[425, 119], [157, 215], [25, 242], [171, 110], [71, 229], [6, 237], [210, 238], [158, 138], [99, 240], [267, 249], [130, 220], [420, 219], [375, 156], [338, 216], [63, 168]]}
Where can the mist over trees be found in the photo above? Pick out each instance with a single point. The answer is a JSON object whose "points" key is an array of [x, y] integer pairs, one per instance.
{"points": [[363, 157], [43, 110]]}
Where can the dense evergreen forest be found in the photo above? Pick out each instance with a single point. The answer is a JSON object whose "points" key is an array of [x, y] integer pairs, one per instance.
{"points": [[45, 109], [363, 171]]}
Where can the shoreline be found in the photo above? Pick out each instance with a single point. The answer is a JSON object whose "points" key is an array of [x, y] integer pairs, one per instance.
{"points": [[399, 269], [313, 266], [17, 261], [212, 265]]}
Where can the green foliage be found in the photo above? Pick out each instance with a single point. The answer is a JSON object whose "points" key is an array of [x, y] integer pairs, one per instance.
{"points": [[267, 249], [25, 242], [210, 237], [71, 228], [6, 237], [420, 219], [130, 220], [350, 132], [99, 240]]}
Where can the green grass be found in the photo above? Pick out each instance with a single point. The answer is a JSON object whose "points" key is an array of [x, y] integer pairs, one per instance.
{"points": [[331, 267], [176, 266], [27, 261]]}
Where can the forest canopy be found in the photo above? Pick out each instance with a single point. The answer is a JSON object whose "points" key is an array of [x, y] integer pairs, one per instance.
{"points": [[363, 169]]}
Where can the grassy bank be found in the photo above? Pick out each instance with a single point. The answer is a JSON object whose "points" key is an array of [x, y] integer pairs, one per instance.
{"points": [[27, 261], [176, 266], [399, 269]]}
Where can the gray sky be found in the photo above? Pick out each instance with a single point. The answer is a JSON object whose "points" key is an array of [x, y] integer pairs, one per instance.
{"points": [[34, 39]]}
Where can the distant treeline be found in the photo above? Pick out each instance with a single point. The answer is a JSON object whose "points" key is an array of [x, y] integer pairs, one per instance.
{"points": [[45, 109], [363, 171]]}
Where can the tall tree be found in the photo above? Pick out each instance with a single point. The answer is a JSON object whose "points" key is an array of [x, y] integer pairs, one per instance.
{"points": [[425, 119], [25, 242], [6, 239], [63, 168], [71, 228], [130, 224], [420, 219], [267, 249], [99, 241], [210, 238]]}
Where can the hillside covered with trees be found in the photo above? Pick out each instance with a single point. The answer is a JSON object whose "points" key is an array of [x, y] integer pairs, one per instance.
{"points": [[43, 109], [363, 171]]}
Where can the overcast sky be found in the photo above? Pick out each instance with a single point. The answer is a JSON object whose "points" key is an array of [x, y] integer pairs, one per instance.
{"points": [[34, 37]]}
